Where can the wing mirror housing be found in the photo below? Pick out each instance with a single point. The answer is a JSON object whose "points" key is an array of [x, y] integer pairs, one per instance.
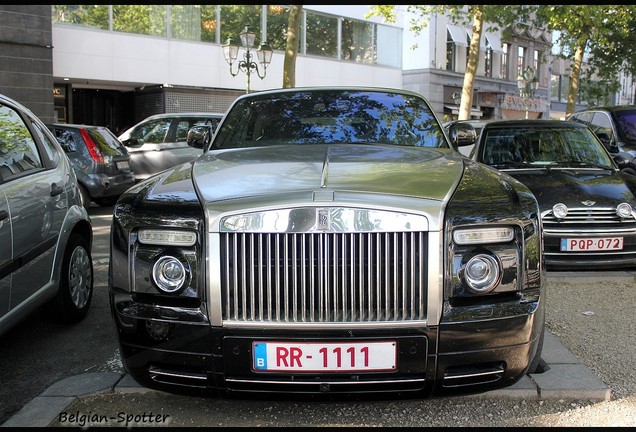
{"points": [[199, 136], [461, 135]]}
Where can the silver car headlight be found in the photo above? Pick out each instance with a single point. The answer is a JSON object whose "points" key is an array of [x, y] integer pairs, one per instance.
{"points": [[624, 211], [482, 273], [169, 274]]}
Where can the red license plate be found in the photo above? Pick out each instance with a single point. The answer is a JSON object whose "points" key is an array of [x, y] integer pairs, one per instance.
{"points": [[591, 244], [324, 356]]}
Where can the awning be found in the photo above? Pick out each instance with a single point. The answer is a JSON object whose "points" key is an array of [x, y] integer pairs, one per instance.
{"points": [[458, 34], [495, 43], [455, 110], [482, 42]]}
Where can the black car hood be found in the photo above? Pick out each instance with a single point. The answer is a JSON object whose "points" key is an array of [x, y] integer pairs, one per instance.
{"points": [[573, 186]]}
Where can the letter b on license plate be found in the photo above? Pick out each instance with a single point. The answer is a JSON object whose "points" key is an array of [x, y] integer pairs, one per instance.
{"points": [[324, 356]]}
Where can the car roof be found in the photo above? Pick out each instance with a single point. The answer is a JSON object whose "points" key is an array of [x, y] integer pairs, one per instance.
{"points": [[184, 114], [608, 108], [533, 123], [74, 125]]}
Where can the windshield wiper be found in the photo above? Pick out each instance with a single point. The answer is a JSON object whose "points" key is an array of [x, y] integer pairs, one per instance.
{"points": [[585, 164], [508, 164]]}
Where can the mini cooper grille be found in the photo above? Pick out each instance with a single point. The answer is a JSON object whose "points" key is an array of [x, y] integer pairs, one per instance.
{"points": [[324, 277], [588, 219]]}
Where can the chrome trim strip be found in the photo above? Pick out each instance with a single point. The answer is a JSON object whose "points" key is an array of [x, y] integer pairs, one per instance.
{"points": [[297, 382], [323, 219], [325, 325]]}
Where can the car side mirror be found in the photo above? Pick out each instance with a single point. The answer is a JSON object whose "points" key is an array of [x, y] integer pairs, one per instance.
{"points": [[199, 136], [131, 142], [461, 135]]}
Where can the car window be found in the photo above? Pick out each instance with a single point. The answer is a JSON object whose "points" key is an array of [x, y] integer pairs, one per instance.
{"points": [[325, 117], [66, 139], [185, 124], [601, 123], [18, 150], [585, 117], [49, 146], [106, 141], [534, 146], [153, 131], [626, 124]]}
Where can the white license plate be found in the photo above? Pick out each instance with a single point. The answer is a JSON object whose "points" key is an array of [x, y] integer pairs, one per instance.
{"points": [[591, 244], [324, 356], [123, 165]]}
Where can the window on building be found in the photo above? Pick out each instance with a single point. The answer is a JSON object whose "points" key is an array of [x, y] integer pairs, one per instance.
{"points": [[140, 19], [358, 41], [321, 35], [521, 60], [85, 15], [277, 17], [450, 52], [388, 45], [503, 74], [488, 59], [234, 18], [536, 63]]}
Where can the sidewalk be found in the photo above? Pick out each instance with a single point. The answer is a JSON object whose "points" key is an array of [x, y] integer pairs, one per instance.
{"points": [[565, 378]]}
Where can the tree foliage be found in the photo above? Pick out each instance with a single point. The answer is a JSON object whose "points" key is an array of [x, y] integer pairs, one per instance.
{"points": [[601, 37]]}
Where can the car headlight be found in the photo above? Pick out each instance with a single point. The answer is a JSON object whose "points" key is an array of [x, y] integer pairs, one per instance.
{"points": [[169, 274], [624, 211], [560, 211], [482, 273]]}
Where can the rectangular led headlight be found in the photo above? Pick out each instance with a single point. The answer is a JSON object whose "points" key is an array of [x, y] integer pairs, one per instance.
{"points": [[167, 237], [483, 235]]}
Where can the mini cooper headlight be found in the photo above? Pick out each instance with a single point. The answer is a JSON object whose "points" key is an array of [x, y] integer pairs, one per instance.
{"points": [[624, 211], [560, 210], [482, 273], [169, 274]]}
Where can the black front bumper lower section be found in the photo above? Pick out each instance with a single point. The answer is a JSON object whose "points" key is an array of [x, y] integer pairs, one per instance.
{"points": [[461, 357]]}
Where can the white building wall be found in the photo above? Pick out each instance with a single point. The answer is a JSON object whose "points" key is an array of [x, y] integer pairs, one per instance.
{"points": [[124, 61]]}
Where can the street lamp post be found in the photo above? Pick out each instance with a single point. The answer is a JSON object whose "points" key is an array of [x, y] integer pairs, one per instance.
{"points": [[247, 65], [527, 84]]}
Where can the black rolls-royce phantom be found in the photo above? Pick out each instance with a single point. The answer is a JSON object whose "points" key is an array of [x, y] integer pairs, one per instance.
{"points": [[328, 240]]}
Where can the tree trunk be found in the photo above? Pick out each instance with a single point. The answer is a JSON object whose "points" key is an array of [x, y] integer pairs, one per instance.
{"points": [[466, 102], [291, 49], [575, 79]]}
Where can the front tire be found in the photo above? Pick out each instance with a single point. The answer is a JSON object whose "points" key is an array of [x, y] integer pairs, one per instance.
{"points": [[76, 283]]}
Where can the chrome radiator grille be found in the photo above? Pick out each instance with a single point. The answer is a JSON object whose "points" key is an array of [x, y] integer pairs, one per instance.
{"points": [[324, 277], [588, 220]]}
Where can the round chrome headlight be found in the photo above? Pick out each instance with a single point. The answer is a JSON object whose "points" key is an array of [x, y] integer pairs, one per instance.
{"points": [[482, 273], [624, 211], [168, 273], [560, 211]]}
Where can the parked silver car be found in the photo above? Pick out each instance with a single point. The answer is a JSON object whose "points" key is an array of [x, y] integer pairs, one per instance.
{"points": [[159, 141], [45, 232]]}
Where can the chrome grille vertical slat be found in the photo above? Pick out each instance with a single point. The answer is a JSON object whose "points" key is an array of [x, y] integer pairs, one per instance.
{"points": [[260, 278], [324, 277]]}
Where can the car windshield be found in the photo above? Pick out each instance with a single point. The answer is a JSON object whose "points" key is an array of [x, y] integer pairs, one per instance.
{"points": [[330, 117], [626, 124], [553, 147]]}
